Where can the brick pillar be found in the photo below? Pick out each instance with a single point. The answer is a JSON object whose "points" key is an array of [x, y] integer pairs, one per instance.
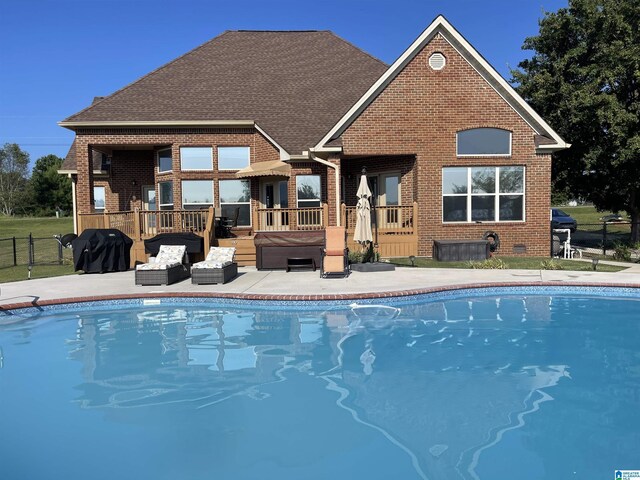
{"points": [[332, 194], [177, 177], [84, 188]]}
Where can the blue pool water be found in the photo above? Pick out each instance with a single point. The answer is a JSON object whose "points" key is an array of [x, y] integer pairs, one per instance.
{"points": [[517, 386]]}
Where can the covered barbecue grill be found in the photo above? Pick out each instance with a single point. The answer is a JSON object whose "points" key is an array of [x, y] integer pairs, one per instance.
{"points": [[101, 250]]}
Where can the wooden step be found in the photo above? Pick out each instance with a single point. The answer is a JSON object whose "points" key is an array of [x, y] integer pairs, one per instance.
{"points": [[245, 249]]}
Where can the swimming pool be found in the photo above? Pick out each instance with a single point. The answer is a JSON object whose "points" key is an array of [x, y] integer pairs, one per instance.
{"points": [[508, 383]]}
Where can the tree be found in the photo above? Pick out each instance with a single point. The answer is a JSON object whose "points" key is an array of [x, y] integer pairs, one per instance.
{"points": [[14, 168], [50, 189], [584, 78]]}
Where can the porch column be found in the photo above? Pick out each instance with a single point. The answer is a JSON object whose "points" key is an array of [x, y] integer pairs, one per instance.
{"points": [[333, 191], [84, 187]]}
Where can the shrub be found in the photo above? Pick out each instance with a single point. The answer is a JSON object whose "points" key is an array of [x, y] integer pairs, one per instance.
{"points": [[355, 257], [622, 252], [491, 264]]}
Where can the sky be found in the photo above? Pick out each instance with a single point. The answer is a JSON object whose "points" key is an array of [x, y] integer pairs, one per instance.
{"points": [[56, 55]]}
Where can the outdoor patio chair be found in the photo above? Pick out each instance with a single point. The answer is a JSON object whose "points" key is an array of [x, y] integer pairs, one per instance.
{"points": [[218, 267], [164, 269], [335, 261]]}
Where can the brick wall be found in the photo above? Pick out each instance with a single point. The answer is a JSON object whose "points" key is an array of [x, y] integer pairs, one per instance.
{"points": [[140, 164], [418, 114]]}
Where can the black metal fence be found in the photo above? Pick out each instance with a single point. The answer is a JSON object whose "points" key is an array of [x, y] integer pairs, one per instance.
{"points": [[32, 250], [601, 238]]}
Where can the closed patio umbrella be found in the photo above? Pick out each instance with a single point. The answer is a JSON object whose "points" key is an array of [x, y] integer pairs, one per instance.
{"points": [[363, 232]]}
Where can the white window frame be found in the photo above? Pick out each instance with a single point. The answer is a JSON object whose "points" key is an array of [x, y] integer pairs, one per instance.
{"points": [[237, 203], [104, 196], [209, 169], [485, 154], [202, 205], [222, 147], [307, 200], [161, 205], [158, 160], [497, 194]]}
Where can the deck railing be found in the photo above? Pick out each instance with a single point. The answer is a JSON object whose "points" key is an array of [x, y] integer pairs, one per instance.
{"points": [[139, 224], [398, 219], [281, 219]]}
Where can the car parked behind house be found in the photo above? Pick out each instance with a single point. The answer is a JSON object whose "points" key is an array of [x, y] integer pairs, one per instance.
{"points": [[560, 219]]}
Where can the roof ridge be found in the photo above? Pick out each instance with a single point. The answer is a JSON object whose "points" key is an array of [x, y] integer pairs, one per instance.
{"points": [[277, 31], [357, 48], [161, 67]]}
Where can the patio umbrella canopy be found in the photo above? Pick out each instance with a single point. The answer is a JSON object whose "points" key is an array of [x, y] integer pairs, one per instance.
{"points": [[363, 232]]}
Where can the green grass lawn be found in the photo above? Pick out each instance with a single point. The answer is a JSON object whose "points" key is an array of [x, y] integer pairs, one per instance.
{"points": [[39, 227], [46, 250], [588, 219], [518, 263]]}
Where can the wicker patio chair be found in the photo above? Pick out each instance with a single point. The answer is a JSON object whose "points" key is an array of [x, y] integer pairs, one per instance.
{"points": [[218, 267], [335, 261], [166, 268]]}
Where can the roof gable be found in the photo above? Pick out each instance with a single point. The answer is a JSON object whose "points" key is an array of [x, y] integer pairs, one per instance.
{"points": [[294, 85], [441, 26]]}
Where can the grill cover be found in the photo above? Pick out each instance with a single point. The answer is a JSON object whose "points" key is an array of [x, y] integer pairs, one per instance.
{"points": [[193, 242], [101, 250]]}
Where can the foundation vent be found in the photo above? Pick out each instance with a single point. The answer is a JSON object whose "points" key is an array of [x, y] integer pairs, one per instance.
{"points": [[437, 61]]}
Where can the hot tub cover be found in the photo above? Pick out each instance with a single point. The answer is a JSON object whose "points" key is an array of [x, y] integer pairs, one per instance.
{"points": [[101, 250], [193, 242]]}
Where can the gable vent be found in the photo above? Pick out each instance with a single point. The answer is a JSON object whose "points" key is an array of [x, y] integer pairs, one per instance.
{"points": [[437, 61]]}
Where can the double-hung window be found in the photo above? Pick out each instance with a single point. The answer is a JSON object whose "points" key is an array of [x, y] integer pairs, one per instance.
{"points": [[235, 198], [483, 194], [308, 193], [166, 195], [165, 162]]}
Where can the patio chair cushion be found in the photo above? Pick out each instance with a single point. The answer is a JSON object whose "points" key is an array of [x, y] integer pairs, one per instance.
{"points": [[218, 257], [171, 254], [168, 256]]}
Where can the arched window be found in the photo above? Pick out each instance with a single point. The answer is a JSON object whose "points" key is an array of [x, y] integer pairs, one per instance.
{"points": [[484, 142]]}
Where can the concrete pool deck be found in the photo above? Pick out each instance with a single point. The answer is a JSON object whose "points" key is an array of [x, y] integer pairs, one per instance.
{"points": [[306, 285]]}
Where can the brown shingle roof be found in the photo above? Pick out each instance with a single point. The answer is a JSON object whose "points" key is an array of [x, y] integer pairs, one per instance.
{"points": [[294, 85], [70, 164]]}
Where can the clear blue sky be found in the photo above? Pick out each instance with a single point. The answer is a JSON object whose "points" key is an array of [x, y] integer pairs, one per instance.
{"points": [[56, 55]]}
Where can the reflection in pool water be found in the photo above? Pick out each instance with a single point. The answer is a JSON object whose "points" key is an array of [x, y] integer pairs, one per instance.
{"points": [[469, 388]]}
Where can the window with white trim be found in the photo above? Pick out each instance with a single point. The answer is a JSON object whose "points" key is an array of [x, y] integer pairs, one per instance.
{"points": [[233, 158], [197, 194], [196, 158], [483, 194], [308, 196], [235, 195], [308, 190], [99, 198], [166, 195], [165, 162], [483, 142]]}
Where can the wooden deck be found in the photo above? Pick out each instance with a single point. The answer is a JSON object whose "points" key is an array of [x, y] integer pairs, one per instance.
{"points": [[397, 234]]}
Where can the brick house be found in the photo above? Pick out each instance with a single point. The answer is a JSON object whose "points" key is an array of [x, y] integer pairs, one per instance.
{"points": [[272, 129]]}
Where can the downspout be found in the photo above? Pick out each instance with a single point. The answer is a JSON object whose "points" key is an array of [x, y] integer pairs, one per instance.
{"points": [[336, 167], [73, 203]]}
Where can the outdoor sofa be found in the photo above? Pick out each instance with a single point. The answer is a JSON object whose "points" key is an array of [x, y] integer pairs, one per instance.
{"points": [[218, 267], [164, 269]]}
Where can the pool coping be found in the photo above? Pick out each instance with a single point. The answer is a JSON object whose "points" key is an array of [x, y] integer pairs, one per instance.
{"points": [[311, 298]]}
